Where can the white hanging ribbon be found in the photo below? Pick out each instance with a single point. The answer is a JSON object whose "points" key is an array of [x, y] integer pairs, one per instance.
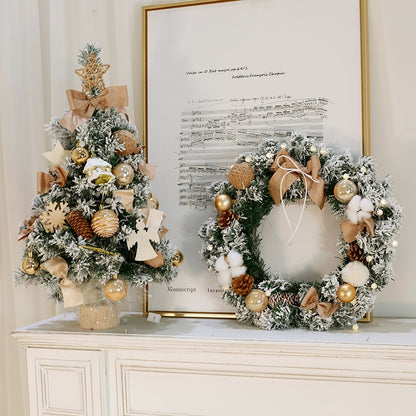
{"points": [[304, 176]]}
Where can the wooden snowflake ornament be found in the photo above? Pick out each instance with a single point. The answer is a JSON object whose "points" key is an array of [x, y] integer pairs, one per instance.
{"points": [[54, 217]]}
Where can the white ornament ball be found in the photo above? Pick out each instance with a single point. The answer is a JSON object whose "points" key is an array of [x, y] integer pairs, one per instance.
{"points": [[355, 273], [354, 204], [224, 278], [238, 271], [379, 212], [366, 205], [234, 258], [363, 169], [221, 264]]}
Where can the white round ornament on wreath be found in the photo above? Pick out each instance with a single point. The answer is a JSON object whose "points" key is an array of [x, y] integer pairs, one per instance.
{"points": [[355, 273]]}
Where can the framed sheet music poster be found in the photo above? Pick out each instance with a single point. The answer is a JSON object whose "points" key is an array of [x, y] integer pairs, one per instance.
{"points": [[221, 76]]}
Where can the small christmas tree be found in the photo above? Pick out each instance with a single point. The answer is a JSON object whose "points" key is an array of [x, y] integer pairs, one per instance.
{"points": [[94, 218]]}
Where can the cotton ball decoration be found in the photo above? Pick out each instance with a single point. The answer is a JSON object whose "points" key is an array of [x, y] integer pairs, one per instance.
{"points": [[221, 264], [234, 258], [224, 278], [355, 273], [359, 209], [238, 271]]}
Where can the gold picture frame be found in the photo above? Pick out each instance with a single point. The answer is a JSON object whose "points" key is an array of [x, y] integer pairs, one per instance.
{"points": [[365, 119]]}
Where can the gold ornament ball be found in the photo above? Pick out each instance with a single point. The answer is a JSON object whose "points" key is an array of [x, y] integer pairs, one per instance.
{"points": [[124, 174], [346, 293], [80, 155], [223, 202], [241, 175], [30, 265], [256, 301], [105, 223], [177, 258], [344, 190], [115, 289]]}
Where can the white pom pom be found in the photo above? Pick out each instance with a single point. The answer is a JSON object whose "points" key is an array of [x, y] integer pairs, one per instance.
{"points": [[221, 264], [224, 278], [238, 271], [234, 258], [352, 216], [363, 214], [355, 273], [354, 204], [366, 205]]}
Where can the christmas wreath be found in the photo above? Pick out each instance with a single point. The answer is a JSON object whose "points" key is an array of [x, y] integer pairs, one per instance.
{"points": [[301, 170]]}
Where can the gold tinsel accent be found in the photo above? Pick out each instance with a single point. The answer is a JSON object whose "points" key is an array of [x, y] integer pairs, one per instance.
{"points": [[226, 218], [92, 74], [242, 285]]}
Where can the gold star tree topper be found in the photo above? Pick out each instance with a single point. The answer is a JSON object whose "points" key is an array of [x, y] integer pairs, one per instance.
{"points": [[92, 74]]}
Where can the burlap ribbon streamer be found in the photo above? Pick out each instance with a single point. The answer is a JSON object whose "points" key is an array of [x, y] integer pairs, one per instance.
{"points": [[29, 227], [83, 107], [311, 302], [287, 170], [350, 230], [148, 170], [58, 267], [126, 198], [45, 180]]}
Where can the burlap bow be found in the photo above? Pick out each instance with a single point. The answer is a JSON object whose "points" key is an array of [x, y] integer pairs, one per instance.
{"points": [[58, 267], [126, 198], [29, 227], [287, 170], [45, 180], [311, 302], [350, 230], [83, 107]]}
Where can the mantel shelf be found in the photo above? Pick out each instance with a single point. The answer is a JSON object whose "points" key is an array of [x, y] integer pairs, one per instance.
{"points": [[135, 328]]}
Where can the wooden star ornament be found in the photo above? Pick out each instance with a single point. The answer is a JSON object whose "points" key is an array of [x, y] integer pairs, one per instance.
{"points": [[57, 157], [92, 74]]}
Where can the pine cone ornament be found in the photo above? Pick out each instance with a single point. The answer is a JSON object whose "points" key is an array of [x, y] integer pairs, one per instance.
{"points": [[355, 253], [80, 225], [242, 285], [289, 298], [241, 175], [127, 139], [226, 218]]}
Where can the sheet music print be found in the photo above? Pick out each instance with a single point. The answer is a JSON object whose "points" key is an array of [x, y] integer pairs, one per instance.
{"points": [[214, 132]]}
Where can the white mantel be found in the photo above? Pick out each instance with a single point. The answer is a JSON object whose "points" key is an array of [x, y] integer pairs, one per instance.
{"points": [[218, 367]]}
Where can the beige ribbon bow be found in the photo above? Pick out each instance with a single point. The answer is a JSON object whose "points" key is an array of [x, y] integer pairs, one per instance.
{"points": [[45, 180], [311, 301], [287, 170], [350, 230], [126, 198], [83, 107], [148, 170], [58, 267]]}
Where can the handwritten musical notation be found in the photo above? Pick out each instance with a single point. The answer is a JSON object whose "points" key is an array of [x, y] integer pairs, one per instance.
{"points": [[215, 132]]}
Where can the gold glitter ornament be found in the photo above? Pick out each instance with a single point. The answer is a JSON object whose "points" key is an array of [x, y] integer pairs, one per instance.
{"points": [[241, 175], [346, 293], [177, 258], [256, 301], [223, 202], [152, 202], [344, 190], [115, 289], [30, 265], [80, 155], [105, 223], [124, 174]]}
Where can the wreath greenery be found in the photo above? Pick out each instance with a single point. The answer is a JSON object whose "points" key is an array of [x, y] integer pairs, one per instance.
{"points": [[231, 243]]}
